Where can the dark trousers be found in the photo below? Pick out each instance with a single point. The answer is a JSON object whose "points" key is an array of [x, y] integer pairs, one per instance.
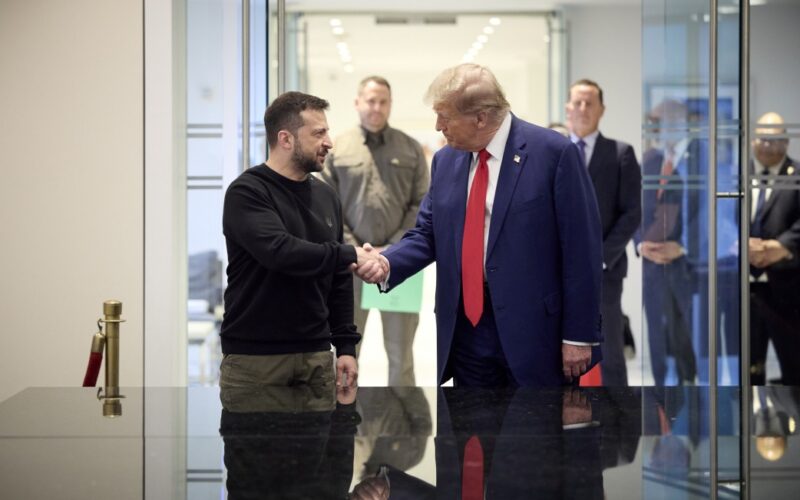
{"points": [[667, 296], [615, 373], [476, 356], [774, 316]]}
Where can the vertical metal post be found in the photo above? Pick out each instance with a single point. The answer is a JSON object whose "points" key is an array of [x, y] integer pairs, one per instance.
{"points": [[712, 250], [745, 397], [245, 85], [281, 46], [112, 310]]}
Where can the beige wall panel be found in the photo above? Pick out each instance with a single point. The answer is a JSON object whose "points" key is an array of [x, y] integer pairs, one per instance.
{"points": [[71, 195]]}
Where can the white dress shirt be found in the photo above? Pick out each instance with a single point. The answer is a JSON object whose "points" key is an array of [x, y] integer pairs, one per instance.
{"points": [[496, 147], [773, 171]]}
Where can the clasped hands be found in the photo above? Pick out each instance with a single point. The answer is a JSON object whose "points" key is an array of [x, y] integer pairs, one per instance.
{"points": [[764, 253], [371, 266], [662, 252]]}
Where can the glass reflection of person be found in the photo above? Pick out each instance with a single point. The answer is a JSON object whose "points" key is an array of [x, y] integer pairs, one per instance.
{"points": [[667, 289], [776, 411], [774, 244], [288, 442], [485, 438], [395, 426]]}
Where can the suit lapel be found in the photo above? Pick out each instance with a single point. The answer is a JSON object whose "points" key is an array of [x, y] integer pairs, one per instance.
{"points": [[514, 158], [459, 196], [598, 156], [776, 193]]}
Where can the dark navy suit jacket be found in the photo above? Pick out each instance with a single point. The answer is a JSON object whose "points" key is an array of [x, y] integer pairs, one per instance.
{"points": [[543, 258], [617, 180], [781, 220]]}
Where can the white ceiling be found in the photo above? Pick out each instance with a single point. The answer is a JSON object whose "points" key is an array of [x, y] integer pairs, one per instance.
{"points": [[453, 6], [374, 45]]}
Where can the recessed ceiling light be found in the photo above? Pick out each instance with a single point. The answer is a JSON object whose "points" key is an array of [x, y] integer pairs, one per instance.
{"points": [[337, 30], [494, 21], [336, 22], [488, 30]]}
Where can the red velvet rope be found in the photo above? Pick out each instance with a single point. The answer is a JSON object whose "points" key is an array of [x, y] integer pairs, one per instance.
{"points": [[93, 369]]}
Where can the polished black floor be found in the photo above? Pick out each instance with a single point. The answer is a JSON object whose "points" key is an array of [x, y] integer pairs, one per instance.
{"points": [[397, 443]]}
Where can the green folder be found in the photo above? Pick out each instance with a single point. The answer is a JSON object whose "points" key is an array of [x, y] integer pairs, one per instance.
{"points": [[406, 297]]}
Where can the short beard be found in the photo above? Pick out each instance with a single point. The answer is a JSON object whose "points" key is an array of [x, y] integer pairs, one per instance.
{"points": [[306, 164]]}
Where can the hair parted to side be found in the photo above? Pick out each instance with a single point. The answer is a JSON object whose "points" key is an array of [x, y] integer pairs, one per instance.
{"points": [[470, 89], [374, 78], [284, 113], [589, 83]]}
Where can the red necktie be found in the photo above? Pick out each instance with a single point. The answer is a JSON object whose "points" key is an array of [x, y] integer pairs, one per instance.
{"points": [[472, 471], [472, 244], [666, 171]]}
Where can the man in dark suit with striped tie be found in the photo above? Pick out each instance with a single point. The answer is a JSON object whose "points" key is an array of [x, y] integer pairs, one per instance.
{"points": [[617, 181], [774, 244]]}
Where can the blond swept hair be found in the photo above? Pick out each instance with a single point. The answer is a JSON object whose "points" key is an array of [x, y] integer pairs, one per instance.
{"points": [[469, 89]]}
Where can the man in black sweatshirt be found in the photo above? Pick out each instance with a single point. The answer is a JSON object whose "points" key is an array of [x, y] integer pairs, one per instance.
{"points": [[290, 289]]}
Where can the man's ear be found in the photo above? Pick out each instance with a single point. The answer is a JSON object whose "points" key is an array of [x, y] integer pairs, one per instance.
{"points": [[482, 119], [285, 139]]}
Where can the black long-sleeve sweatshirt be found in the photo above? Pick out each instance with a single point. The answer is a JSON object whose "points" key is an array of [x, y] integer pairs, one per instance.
{"points": [[289, 285]]}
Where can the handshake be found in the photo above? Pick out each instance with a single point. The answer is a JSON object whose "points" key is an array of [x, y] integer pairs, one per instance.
{"points": [[371, 266]]}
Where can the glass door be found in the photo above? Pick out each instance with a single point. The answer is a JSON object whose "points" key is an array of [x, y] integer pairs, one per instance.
{"points": [[773, 278], [221, 93], [690, 244]]}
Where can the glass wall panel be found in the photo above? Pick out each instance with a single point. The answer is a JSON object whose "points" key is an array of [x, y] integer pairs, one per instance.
{"points": [[774, 247], [675, 239], [214, 153]]}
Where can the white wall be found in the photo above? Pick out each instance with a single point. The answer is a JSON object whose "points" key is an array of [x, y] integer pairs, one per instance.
{"points": [[605, 46], [774, 53], [71, 203]]}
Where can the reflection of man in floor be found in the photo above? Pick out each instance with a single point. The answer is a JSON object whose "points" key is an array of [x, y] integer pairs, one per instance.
{"points": [[774, 261], [668, 286], [776, 412], [288, 442], [394, 430], [517, 443]]}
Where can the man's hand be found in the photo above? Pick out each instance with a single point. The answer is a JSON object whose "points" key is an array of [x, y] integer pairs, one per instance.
{"points": [[372, 488], [575, 360], [346, 395], [575, 407], [371, 267], [346, 371], [764, 253], [661, 252]]}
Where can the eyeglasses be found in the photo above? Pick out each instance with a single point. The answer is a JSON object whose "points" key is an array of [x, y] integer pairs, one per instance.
{"points": [[770, 141]]}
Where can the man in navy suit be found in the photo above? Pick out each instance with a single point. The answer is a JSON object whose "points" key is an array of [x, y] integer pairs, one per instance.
{"points": [[666, 242], [617, 181], [511, 221], [774, 246]]}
